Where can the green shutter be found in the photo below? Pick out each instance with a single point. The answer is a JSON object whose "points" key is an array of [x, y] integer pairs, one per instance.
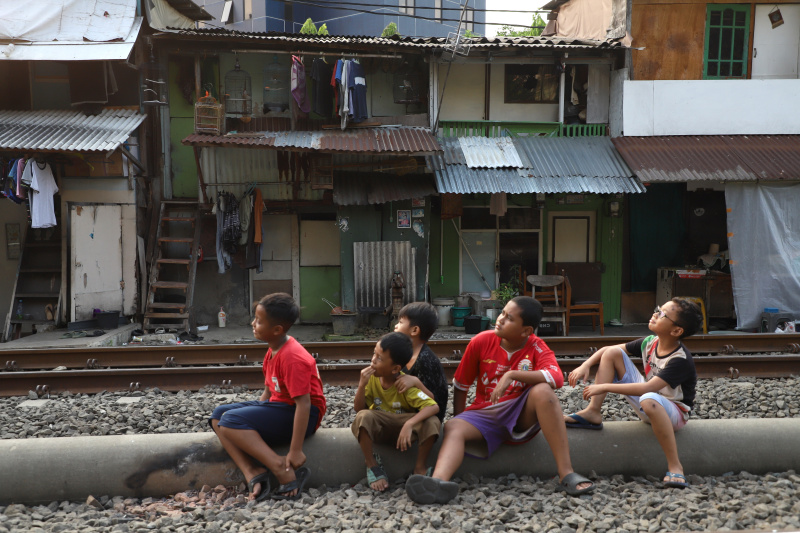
{"points": [[727, 41]]}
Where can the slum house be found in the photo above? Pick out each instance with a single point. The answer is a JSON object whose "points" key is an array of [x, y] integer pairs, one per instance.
{"points": [[73, 149], [342, 205], [709, 124]]}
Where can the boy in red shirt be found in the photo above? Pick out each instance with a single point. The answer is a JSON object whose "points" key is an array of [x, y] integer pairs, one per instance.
{"points": [[515, 398], [289, 410]]}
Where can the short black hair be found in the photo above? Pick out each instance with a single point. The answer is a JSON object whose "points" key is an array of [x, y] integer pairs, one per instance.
{"points": [[398, 346], [280, 309], [424, 316], [690, 318], [530, 310]]}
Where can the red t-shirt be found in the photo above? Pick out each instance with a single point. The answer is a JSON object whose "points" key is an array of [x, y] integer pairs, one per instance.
{"points": [[485, 359], [292, 373]]}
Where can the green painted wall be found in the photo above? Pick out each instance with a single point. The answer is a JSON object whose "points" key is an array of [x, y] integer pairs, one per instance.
{"points": [[363, 225], [316, 283], [183, 168], [444, 273], [608, 249], [390, 232]]}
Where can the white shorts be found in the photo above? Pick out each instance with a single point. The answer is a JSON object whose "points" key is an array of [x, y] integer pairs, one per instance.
{"points": [[632, 375]]}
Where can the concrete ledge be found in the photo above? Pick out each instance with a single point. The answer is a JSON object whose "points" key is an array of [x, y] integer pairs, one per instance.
{"points": [[71, 468]]}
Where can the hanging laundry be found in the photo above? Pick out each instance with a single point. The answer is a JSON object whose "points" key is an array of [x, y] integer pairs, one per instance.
{"points": [[498, 204], [323, 92], [43, 188], [357, 91], [299, 84], [342, 79]]}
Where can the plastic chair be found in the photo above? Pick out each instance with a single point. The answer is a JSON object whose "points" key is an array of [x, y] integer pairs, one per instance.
{"points": [[553, 310], [593, 309], [702, 306]]}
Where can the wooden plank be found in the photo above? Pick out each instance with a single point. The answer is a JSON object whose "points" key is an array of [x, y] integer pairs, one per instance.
{"points": [[672, 36]]}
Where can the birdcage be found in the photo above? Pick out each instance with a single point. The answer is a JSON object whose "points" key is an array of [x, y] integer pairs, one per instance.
{"points": [[238, 92], [276, 87], [208, 115], [407, 86]]}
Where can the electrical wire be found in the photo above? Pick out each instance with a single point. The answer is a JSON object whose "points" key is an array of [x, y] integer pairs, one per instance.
{"points": [[335, 3]]}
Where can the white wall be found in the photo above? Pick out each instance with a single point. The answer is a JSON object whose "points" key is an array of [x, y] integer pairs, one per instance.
{"points": [[711, 107], [463, 96]]}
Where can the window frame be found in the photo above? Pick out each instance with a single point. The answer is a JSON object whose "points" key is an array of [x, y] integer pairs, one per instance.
{"points": [[720, 8], [508, 71], [406, 7]]}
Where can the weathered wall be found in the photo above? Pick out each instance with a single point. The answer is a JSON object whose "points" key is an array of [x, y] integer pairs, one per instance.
{"points": [[10, 213]]}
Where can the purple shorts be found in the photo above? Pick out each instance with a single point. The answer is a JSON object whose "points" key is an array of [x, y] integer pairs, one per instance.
{"points": [[496, 424]]}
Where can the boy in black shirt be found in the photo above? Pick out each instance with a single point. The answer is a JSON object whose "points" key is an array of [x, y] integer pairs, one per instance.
{"points": [[664, 396]]}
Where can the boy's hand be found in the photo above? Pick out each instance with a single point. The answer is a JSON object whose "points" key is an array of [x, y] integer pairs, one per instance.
{"points": [[593, 390], [404, 440], [579, 374], [405, 382], [365, 375], [500, 388], [295, 460]]}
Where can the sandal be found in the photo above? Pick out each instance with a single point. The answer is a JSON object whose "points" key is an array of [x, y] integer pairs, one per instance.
{"points": [[281, 493], [676, 484], [265, 480], [428, 490], [570, 484], [376, 473]]}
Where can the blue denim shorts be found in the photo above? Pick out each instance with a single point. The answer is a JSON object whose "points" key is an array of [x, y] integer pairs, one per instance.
{"points": [[274, 421]]}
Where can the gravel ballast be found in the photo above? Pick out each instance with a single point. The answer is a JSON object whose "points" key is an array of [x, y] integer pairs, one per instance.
{"points": [[737, 500]]}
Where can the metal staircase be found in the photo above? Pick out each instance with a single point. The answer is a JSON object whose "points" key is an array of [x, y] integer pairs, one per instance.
{"points": [[174, 267]]}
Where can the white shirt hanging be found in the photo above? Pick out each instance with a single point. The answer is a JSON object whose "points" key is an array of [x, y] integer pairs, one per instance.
{"points": [[43, 187]]}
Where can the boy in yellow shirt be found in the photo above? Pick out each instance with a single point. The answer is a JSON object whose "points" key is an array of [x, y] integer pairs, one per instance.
{"points": [[385, 415]]}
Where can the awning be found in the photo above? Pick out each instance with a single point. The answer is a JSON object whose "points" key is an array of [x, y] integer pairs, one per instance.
{"points": [[68, 30], [712, 157], [367, 189], [518, 165], [394, 140], [67, 131]]}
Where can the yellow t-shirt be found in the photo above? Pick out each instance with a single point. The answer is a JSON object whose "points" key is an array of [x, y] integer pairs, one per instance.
{"points": [[391, 401]]}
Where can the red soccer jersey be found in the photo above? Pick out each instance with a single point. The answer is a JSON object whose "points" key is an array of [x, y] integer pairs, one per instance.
{"points": [[292, 373], [486, 361]]}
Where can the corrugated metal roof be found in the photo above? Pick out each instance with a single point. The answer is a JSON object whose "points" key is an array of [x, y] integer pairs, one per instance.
{"points": [[67, 131], [394, 140], [712, 157], [546, 164], [460, 179], [423, 43], [489, 152], [365, 189]]}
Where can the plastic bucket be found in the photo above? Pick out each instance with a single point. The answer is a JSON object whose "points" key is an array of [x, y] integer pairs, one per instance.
{"points": [[443, 306], [459, 314], [484, 323], [345, 323]]}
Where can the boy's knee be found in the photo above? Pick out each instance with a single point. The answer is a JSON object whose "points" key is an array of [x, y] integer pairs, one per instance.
{"points": [[542, 393], [650, 406]]}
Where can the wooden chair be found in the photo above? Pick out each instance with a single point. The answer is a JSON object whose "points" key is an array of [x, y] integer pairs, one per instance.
{"points": [[581, 308], [552, 298]]}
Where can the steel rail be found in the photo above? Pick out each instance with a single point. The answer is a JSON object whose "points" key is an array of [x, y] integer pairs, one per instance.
{"points": [[250, 376], [197, 355]]}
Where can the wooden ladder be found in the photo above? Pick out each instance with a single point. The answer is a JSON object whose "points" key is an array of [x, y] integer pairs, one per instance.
{"points": [[173, 267]]}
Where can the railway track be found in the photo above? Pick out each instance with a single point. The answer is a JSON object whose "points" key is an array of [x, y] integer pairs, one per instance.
{"points": [[192, 367]]}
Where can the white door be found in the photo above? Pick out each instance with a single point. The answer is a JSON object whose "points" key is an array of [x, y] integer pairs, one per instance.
{"points": [[478, 261], [775, 50], [572, 236], [96, 253]]}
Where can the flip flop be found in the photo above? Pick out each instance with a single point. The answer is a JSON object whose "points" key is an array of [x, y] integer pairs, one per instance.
{"points": [[302, 474], [427, 490], [265, 480], [581, 423], [570, 484], [676, 484]]}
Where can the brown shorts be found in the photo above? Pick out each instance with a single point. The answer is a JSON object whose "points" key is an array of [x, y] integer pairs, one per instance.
{"points": [[384, 428]]}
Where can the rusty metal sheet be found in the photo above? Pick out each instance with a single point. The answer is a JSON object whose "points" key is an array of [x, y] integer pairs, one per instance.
{"points": [[368, 189], [712, 157], [394, 140]]}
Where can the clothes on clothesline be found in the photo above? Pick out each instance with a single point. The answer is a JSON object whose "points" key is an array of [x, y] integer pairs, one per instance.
{"points": [[33, 181]]}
